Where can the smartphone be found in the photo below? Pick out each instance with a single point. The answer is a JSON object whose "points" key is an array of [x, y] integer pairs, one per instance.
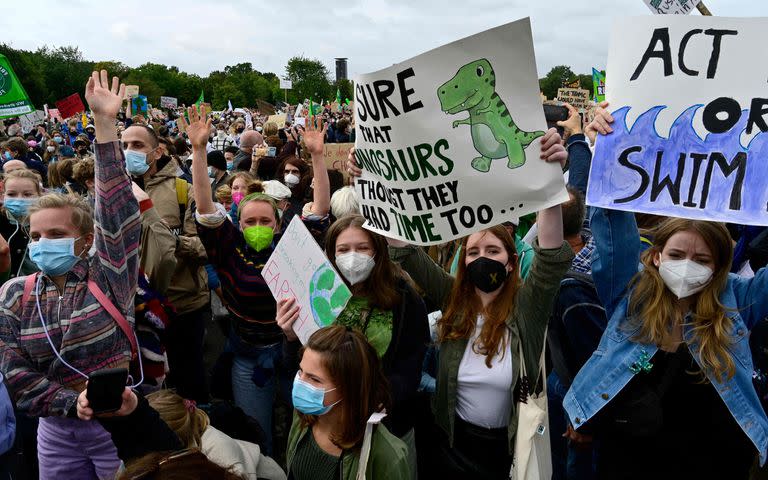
{"points": [[105, 389], [555, 113], [272, 151]]}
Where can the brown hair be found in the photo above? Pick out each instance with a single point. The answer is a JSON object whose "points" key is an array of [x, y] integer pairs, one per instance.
{"points": [[355, 369], [18, 144], [84, 170], [464, 305], [269, 129], [224, 193], [381, 286], [25, 174], [188, 425], [653, 307], [181, 465], [82, 215], [60, 172], [244, 175]]}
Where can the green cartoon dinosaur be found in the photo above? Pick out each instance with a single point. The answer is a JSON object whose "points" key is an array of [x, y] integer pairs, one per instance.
{"points": [[494, 133]]}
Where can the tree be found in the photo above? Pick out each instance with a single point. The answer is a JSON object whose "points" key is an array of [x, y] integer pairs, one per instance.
{"points": [[346, 89], [310, 80], [555, 79]]}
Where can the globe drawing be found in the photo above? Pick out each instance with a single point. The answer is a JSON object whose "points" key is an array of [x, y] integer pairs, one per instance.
{"points": [[328, 295]]}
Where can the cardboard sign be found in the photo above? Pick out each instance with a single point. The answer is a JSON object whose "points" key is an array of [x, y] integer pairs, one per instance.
{"points": [[169, 102], [278, 119], [335, 155], [577, 97], [299, 269], [688, 94], [70, 106], [54, 114], [131, 91], [675, 7], [286, 84], [29, 120], [450, 141]]}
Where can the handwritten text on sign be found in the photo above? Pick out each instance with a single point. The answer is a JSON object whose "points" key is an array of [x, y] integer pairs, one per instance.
{"points": [[689, 138]]}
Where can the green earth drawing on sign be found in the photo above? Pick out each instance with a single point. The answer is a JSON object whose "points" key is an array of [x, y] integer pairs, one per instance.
{"points": [[328, 295]]}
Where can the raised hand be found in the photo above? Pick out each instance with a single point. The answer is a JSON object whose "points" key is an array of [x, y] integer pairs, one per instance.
{"points": [[104, 101], [572, 125], [198, 127], [314, 135]]}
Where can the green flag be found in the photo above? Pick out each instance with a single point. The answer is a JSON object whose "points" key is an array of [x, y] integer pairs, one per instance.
{"points": [[14, 100], [311, 107], [338, 97], [598, 85], [200, 100]]}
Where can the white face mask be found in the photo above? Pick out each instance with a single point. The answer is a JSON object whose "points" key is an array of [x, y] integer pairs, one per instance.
{"points": [[356, 267], [221, 134], [291, 179], [685, 277], [50, 149]]}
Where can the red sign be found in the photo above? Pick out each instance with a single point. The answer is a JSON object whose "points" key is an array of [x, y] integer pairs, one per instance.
{"points": [[70, 106]]}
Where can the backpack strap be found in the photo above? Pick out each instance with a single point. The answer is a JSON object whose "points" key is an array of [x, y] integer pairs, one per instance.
{"points": [[116, 315], [29, 284]]}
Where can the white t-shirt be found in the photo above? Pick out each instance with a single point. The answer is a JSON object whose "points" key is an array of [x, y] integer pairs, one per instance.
{"points": [[484, 395]]}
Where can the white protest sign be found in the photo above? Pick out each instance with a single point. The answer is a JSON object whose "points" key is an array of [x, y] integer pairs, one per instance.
{"points": [[300, 121], [449, 141], [688, 99], [299, 269], [29, 120], [169, 102], [286, 84], [673, 7]]}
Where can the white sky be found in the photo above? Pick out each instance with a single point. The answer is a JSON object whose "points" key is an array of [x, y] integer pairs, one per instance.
{"points": [[201, 36]]}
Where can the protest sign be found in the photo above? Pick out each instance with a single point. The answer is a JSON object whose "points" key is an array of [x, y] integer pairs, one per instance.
{"points": [[299, 269], [131, 91], [278, 119], [29, 120], [139, 104], [168, 102], [598, 85], [689, 109], [300, 121], [449, 141], [577, 97], [14, 100], [286, 84], [335, 155], [70, 106], [54, 114], [673, 7]]}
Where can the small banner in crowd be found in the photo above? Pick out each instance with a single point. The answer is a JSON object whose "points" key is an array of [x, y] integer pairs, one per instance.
{"points": [[335, 155], [688, 99], [14, 100], [598, 85], [70, 106], [577, 97], [674, 7], [449, 141], [278, 119], [299, 269], [139, 104], [29, 120], [169, 102], [286, 84], [131, 91]]}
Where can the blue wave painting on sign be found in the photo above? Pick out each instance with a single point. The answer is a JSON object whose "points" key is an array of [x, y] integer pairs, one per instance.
{"points": [[684, 175]]}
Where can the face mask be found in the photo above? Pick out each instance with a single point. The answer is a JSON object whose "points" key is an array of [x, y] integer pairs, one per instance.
{"points": [[258, 237], [237, 197], [211, 173], [487, 274], [309, 399], [54, 256], [18, 206], [221, 134], [240, 130], [82, 151], [230, 166], [8, 156], [684, 277], [259, 129], [356, 267], [136, 163], [57, 139], [291, 180], [50, 149]]}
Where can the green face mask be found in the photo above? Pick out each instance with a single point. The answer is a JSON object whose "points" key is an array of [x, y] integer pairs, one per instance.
{"points": [[258, 237]]}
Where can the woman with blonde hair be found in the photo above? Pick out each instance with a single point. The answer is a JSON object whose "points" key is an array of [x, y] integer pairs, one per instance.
{"points": [[22, 188], [194, 430], [668, 393]]}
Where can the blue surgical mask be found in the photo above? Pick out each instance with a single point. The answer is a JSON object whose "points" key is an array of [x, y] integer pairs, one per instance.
{"points": [[8, 156], [54, 256], [57, 139], [18, 207], [309, 399], [136, 163], [211, 173]]}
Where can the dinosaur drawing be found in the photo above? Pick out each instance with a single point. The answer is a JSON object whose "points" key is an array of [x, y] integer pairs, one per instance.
{"points": [[494, 133]]}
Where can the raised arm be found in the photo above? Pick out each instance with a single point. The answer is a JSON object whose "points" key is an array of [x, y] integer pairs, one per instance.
{"points": [[314, 140], [197, 132], [117, 221]]}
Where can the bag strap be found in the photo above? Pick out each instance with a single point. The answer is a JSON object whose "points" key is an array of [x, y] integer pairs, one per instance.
{"points": [[542, 370], [29, 284], [365, 451], [116, 315]]}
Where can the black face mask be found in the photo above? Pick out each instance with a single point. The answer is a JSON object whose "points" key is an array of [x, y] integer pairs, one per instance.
{"points": [[487, 274]]}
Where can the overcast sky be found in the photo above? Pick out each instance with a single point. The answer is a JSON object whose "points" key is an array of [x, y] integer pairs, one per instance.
{"points": [[200, 36]]}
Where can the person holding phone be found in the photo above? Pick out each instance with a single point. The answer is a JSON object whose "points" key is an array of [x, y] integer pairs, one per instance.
{"points": [[58, 327]]}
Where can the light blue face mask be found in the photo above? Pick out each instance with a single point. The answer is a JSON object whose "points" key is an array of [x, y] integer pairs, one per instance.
{"points": [[136, 163], [54, 256], [211, 173], [18, 207], [8, 156], [309, 399]]}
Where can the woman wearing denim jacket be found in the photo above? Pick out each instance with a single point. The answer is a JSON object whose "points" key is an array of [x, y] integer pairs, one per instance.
{"points": [[668, 393]]}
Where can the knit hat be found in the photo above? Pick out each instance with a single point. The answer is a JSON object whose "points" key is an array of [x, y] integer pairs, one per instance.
{"points": [[216, 159]]}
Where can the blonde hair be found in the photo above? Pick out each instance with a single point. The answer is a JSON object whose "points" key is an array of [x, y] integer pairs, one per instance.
{"points": [[269, 129], [25, 174], [224, 193], [189, 422], [653, 307], [82, 215], [84, 170]]}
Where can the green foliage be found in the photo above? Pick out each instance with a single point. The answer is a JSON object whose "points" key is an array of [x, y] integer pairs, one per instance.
{"points": [[555, 79], [310, 80]]}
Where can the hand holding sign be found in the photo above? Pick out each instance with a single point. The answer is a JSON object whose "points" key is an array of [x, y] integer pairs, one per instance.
{"points": [[600, 124], [552, 149], [287, 313]]}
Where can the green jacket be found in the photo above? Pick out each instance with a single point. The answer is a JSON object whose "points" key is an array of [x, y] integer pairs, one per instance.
{"points": [[527, 322], [388, 458]]}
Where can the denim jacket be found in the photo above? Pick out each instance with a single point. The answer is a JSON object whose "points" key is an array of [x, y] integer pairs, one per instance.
{"points": [[608, 370]]}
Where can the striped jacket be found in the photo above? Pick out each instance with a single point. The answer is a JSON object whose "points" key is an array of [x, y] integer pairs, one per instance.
{"points": [[85, 334]]}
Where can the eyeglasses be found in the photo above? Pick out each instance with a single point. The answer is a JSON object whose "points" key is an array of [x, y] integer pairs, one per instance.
{"points": [[173, 457]]}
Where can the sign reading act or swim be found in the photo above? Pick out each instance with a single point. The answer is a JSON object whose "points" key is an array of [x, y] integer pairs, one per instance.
{"points": [[449, 141], [690, 100]]}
